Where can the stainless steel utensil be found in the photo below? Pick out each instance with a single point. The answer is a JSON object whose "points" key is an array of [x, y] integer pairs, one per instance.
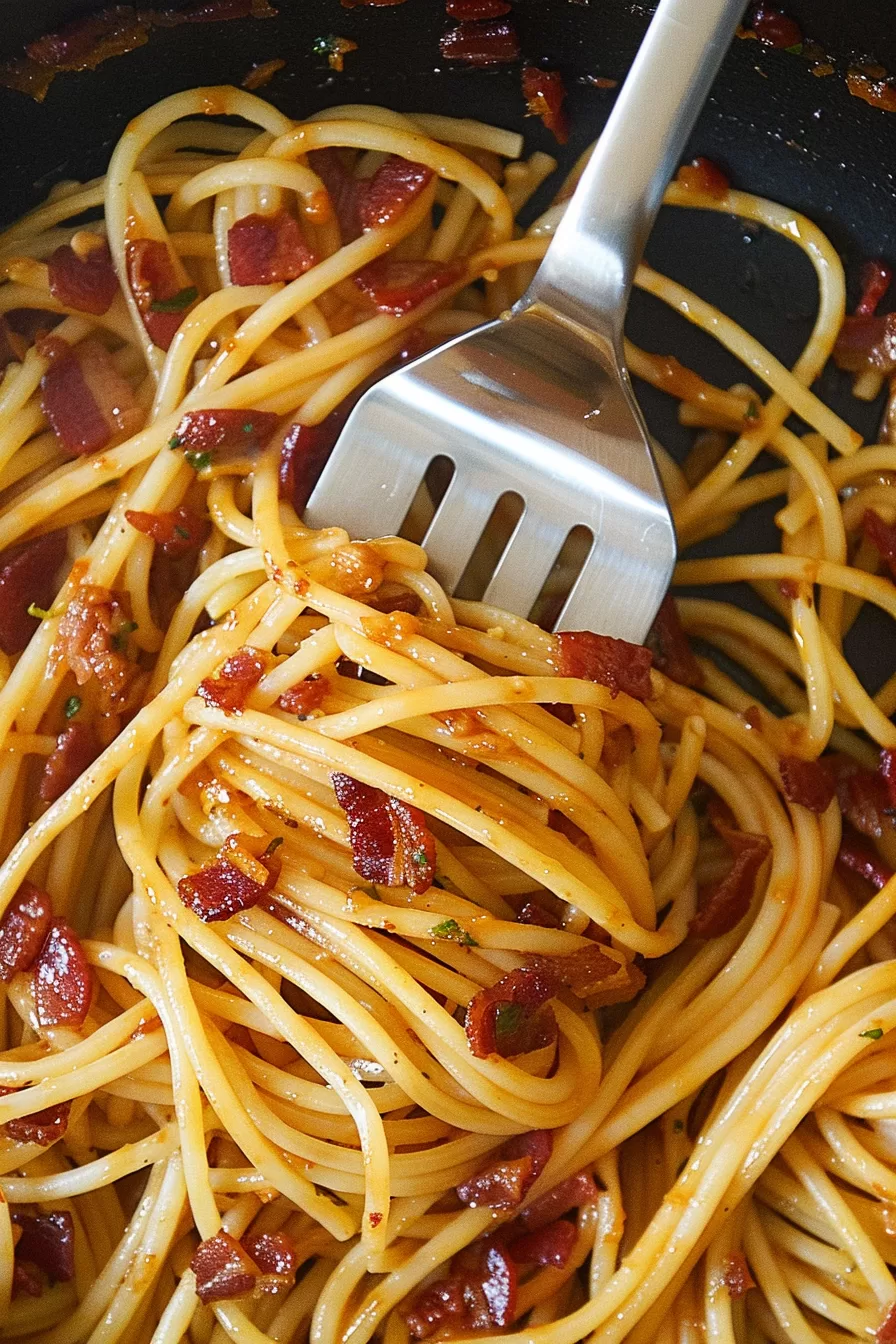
{"points": [[539, 403]]}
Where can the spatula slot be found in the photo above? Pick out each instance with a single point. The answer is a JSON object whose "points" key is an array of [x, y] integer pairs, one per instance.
{"points": [[491, 546], [430, 493], [562, 575]]}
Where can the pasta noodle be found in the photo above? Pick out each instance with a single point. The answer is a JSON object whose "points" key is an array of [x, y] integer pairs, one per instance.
{"points": [[375, 963]]}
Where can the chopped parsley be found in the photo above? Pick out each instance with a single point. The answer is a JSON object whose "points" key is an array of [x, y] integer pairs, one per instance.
{"points": [[752, 411], [334, 48], [175, 441], [39, 613], [678, 1126], [182, 532], [120, 638], [273, 846], [177, 303], [508, 1019], [873, 1033], [198, 461], [796, 49], [419, 857], [450, 930], [248, 427], [71, 706]]}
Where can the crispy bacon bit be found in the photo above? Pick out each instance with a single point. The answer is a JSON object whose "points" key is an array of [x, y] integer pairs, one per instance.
{"points": [[343, 189], [670, 646], [736, 1275], [598, 973], [305, 696], [175, 533], [63, 980], [26, 1280], [229, 689], [48, 1241], [76, 748], [395, 184], [396, 286], [867, 343], [789, 589], [41, 1127], [886, 1331], [703, 175], [23, 928], [572, 1193], [492, 42], [223, 1270], [478, 1294], [513, 1016], [244, 869], [545, 93], [551, 1245], [275, 1255], [809, 783], [86, 42], [887, 769], [874, 278], [265, 249], [28, 574], [214, 11], [773, 28], [882, 537], [154, 283], [84, 397], [855, 855], [303, 456], [261, 74], [723, 904], [391, 841], [879, 93], [504, 1183], [614, 663], [92, 639], [470, 11], [228, 438], [87, 283], [864, 797], [533, 913]]}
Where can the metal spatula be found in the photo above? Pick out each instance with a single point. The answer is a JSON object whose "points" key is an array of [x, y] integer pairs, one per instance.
{"points": [[539, 403]]}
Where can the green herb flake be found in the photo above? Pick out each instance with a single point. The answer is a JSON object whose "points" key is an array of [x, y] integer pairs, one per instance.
{"points": [[873, 1033], [175, 441], [177, 303], [796, 49], [198, 461], [752, 411], [678, 1126], [273, 846], [450, 930], [182, 532], [39, 613], [421, 858], [120, 638], [71, 706], [248, 427], [508, 1019]]}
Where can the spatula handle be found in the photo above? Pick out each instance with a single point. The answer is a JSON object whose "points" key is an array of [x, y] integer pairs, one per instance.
{"points": [[589, 267]]}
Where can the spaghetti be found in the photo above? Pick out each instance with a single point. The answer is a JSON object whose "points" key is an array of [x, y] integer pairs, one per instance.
{"points": [[375, 963]]}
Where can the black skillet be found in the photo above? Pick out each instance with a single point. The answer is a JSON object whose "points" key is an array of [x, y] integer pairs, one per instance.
{"points": [[776, 128]]}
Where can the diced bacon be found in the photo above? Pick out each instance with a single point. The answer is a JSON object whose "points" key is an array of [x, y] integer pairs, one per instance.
{"points": [[28, 574], [23, 928], [87, 41], [395, 184], [671, 649], [155, 284], [244, 869], [266, 249], [551, 1245], [887, 770], [343, 189], [26, 1280], [223, 1270], [504, 1183], [41, 1127], [175, 533], [92, 639], [545, 94], [736, 1275], [491, 42], [855, 855], [76, 748], [724, 903], [478, 1294], [275, 1255], [882, 537], [88, 404], [214, 11], [391, 841], [598, 973], [874, 278], [48, 1241], [702, 175], [513, 1016], [305, 696], [886, 1331], [226, 438], [86, 283], [614, 663], [811, 784], [533, 913], [303, 456], [469, 11], [573, 1193], [867, 343], [63, 979], [864, 797], [774, 28], [396, 286], [229, 689]]}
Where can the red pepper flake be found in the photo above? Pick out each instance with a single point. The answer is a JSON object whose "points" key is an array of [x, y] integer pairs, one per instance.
{"points": [[375, 1219], [671, 648], [855, 855], [614, 663], [23, 928], [175, 533], [223, 1270], [773, 28], [882, 537], [244, 869], [391, 841], [545, 94], [28, 575], [505, 1181], [492, 42], [85, 282], [40, 1127], [551, 1245], [573, 1193], [513, 1016], [305, 696], [811, 784], [76, 748], [275, 1255], [864, 797], [471, 11], [702, 175], [736, 1275], [63, 979], [88, 404], [395, 184], [886, 1331], [723, 904], [478, 1294], [395, 286], [267, 249], [229, 688], [48, 1241]]}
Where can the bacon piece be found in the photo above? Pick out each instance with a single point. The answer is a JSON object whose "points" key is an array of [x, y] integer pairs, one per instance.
{"points": [[736, 1275], [864, 797], [504, 1183], [478, 1294], [856, 856], [533, 913], [175, 533], [572, 1193], [391, 841], [303, 456], [724, 904], [396, 286], [92, 639], [343, 189], [243, 871], [224, 1271], [551, 1245], [41, 1127], [469, 11], [305, 696], [886, 1331], [874, 278], [614, 663], [867, 343], [154, 282], [26, 1280], [229, 689], [63, 980], [809, 783], [598, 973], [87, 283], [226, 438], [213, 11], [86, 42], [28, 574], [265, 249], [545, 93], [887, 770], [275, 1255], [513, 1017], [87, 402], [395, 184], [882, 536], [702, 175], [23, 928], [48, 1241], [773, 28], [492, 42], [76, 748], [670, 646]]}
